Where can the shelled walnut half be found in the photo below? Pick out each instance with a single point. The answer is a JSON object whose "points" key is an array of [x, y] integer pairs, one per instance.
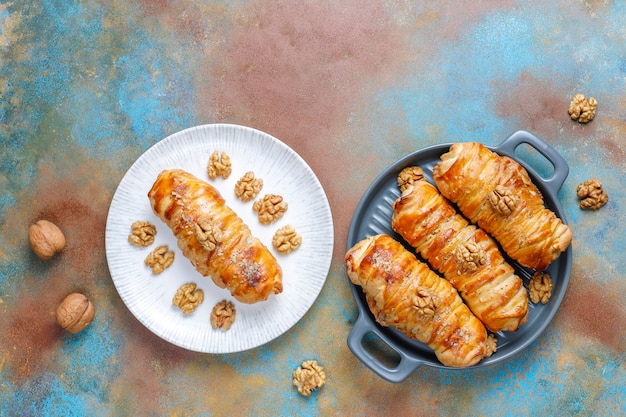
{"points": [[142, 233], [159, 259], [308, 377], [219, 165], [591, 195], [187, 298], [270, 208], [223, 315], [248, 187], [502, 200], [286, 239], [582, 109]]}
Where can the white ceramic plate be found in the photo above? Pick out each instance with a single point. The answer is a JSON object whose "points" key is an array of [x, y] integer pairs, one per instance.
{"points": [[284, 172]]}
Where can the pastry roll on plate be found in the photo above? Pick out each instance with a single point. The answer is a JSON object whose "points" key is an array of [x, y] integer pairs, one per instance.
{"points": [[211, 235], [496, 193], [464, 254], [406, 294]]}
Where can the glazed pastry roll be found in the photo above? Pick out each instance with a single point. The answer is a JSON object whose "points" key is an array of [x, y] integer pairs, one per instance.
{"points": [[406, 294], [464, 254], [496, 193], [211, 235]]}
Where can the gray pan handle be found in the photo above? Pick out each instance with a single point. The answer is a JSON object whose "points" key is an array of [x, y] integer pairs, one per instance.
{"points": [[361, 328], [561, 169]]}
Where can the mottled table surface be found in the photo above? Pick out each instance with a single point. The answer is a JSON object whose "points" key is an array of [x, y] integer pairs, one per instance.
{"points": [[87, 86]]}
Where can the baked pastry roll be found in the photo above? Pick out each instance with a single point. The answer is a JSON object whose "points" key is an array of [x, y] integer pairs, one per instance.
{"points": [[464, 254], [496, 193], [211, 235], [406, 294]]}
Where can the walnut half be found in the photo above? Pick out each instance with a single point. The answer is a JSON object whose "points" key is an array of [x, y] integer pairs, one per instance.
{"points": [[540, 288], [187, 298], [591, 194], [248, 187], [286, 239], [424, 302], [223, 315], [159, 259], [142, 233], [582, 109], [219, 166], [308, 377], [270, 208], [502, 200], [470, 256], [208, 234]]}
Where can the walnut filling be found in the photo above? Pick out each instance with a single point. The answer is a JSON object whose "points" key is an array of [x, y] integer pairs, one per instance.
{"points": [[540, 288], [491, 345], [408, 176]]}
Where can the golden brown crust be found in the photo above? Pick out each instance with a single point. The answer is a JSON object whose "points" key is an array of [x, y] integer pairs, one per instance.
{"points": [[496, 193], [406, 294], [235, 260], [465, 255]]}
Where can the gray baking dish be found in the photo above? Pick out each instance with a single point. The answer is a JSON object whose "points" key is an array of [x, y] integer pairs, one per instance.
{"points": [[373, 216]]}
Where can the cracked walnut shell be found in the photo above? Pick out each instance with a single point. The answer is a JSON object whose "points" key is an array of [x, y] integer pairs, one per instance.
{"points": [[270, 208], [219, 165], [223, 315], [187, 298], [248, 187], [502, 200], [591, 194], [75, 313], [308, 377], [540, 288], [582, 109], [159, 259], [142, 233], [286, 239]]}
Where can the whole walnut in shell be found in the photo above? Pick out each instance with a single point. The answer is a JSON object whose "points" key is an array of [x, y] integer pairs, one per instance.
{"points": [[45, 239], [75, 313]]}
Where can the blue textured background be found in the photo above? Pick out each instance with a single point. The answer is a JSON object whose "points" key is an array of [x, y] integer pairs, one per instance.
{"points": [[87, 86]]}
